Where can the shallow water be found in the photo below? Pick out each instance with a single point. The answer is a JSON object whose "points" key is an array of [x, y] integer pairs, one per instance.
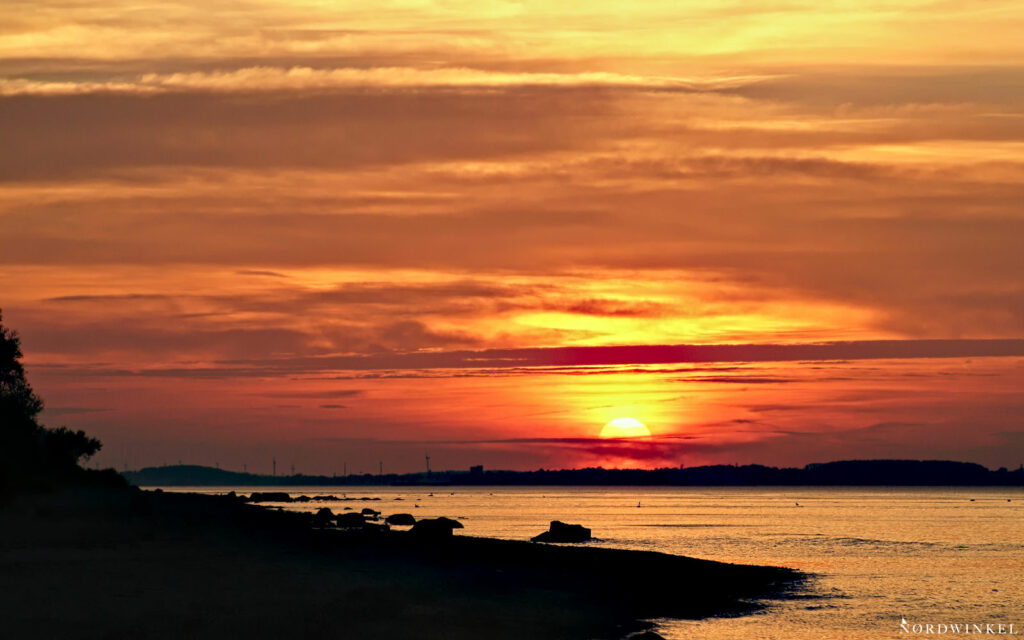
{"points": [[928, 556]]}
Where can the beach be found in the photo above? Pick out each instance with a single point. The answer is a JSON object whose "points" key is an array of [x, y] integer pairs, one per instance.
{"points": [[118, 563], [874, 555]]}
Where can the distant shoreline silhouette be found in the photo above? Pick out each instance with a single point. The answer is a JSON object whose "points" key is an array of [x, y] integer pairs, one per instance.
{"points": [[829, 474]]}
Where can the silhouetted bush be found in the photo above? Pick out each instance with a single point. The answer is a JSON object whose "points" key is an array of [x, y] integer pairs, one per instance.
{"points": [[32, 456]]}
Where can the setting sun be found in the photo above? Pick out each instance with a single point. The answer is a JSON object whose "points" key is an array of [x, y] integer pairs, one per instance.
{"points": [[625, 428]]}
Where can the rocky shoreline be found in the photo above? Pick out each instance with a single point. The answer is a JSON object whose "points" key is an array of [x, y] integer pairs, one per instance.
{"points": [[110, 563]]}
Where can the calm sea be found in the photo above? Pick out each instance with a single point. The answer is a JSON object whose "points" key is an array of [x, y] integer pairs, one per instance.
{"points": [[879, 556]]}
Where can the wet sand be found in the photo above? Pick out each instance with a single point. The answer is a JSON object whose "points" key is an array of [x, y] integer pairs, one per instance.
{"points": [[133, 564]]}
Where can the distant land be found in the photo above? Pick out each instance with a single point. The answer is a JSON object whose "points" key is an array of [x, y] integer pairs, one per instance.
{"points": [[840, 473]]}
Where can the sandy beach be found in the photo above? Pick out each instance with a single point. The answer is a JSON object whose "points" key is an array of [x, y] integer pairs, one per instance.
{"points": [[124, 563]]}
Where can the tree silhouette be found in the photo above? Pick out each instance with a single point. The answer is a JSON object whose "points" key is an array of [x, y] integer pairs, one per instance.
{"points": [[32, 456]]}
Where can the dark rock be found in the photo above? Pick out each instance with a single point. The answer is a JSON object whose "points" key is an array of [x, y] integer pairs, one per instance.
{"points": [[322, 518], [435, 528], [403, 519], [270, 496], [301, 499], [351, 520], [376, 528], [454, 524], [562, 532], [368, 511]]}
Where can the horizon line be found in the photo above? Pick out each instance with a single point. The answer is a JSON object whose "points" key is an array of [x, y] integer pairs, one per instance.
{"points": [[627, 469]]}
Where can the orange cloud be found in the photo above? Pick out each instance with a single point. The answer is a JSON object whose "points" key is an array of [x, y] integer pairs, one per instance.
{"points": [[203, 200]]}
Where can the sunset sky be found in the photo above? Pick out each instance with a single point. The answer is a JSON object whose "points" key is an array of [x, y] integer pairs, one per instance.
{"points": [[343, 233]]}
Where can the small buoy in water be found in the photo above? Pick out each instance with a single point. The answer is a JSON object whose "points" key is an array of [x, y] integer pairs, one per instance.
{"points": [[798, 504], [638, 505], [972, 499]]}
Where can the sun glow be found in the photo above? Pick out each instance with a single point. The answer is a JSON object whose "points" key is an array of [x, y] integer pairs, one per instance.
{"points": [[625, 428]]}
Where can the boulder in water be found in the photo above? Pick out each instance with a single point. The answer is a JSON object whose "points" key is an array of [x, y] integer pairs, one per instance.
{"points": [[270, 496], [348, 520], [454, 524], [435, 527], [402, 519], [562, 532], [323, 518]]}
